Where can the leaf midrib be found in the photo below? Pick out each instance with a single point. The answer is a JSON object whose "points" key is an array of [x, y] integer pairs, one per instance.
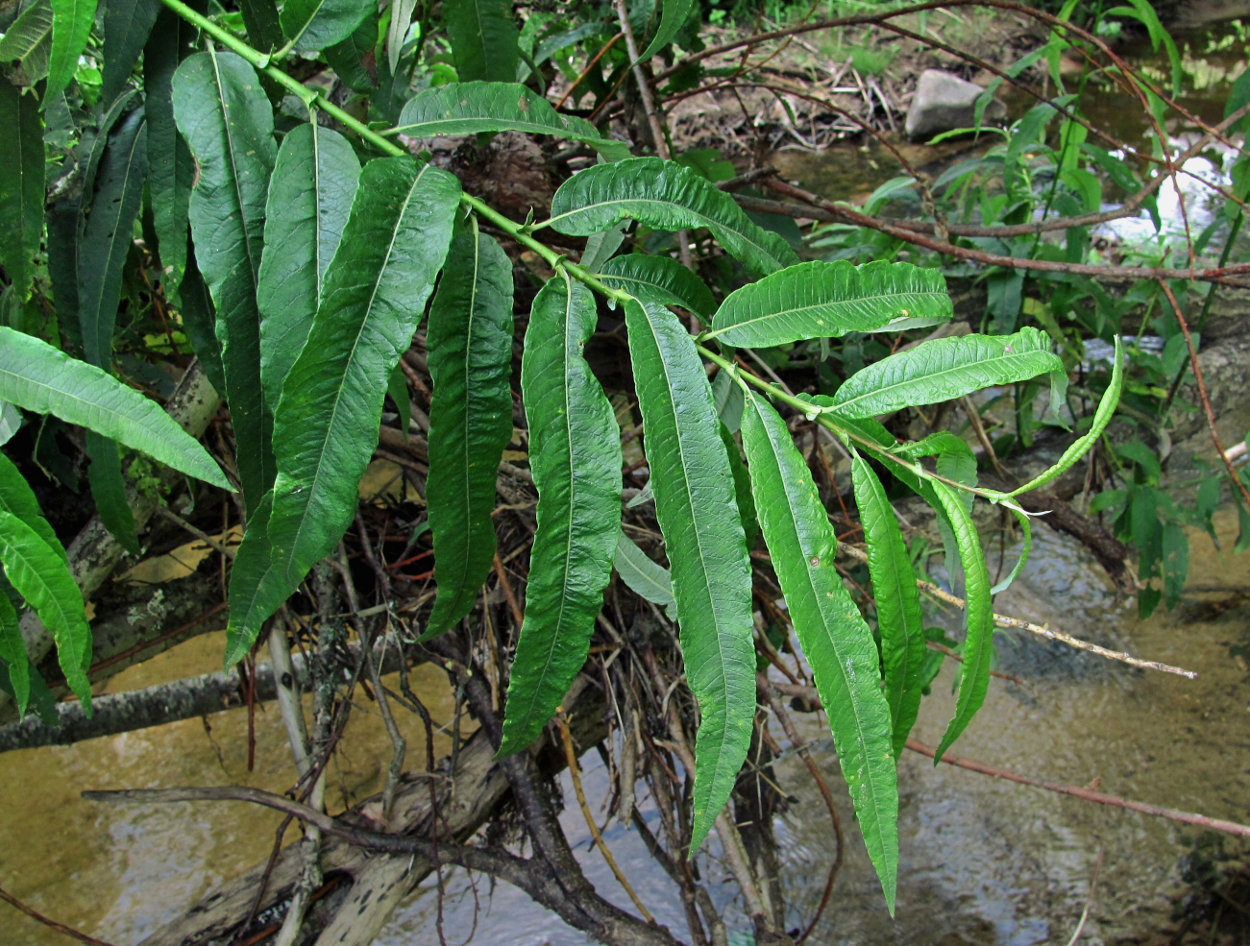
{"points": [[828, 304]]}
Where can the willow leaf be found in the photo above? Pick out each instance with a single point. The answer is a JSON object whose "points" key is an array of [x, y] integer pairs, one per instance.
{"points": [[945, 368], [826, 300], [673, 16], [227, 120], [484, 39], [127, 24], [375, 290], [310, 195], [978, 649], [13, 654], [644, 577], [575, 456], [43, 579], [71, 27], [469, 340], [108, 490], [38, 377], [666, 196], [899, 618], [466, 108], [659, 279], [312, 25], [833, 634], [18, 499], [21, 185], [697, 512], [28, 40]]}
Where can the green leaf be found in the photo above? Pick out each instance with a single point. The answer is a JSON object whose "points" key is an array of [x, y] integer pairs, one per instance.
{"points": [[71, 27], [17, 499], [42, 577], [978, 649], [375, 290], [37, 377], [353, 59], [643, 576], [484, 39], [13, 653], [466, 108], [827, 300], [21, 185], [171, 169], [127, 24], [945, 368], [1175, 563], [899, 618], [469, 344], [575, 456], [310, 195], [397, 31], [659, 279], [260, 18], [397, 391], [29, 41], [833, 634], [108, 490], [666, 196], [673, 17], [312, 25], [228, 122], [697, 512]]}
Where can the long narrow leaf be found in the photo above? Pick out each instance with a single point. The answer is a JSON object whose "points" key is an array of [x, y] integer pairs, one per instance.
{"points": [[466, 108], [37, 377], [659, 279], [644, 577], [312, 25], [945, 368], [827, 300], [484, 39], [835, 638], [469, 344], [18, 499], [978, 649], [28, 40], [673, 16], [666, 196], [697, 512], [127, 24], [13, 653], [575, 456], [227, 120], [21, 185], [375, 290], [42, 577], [310, 195], [899, 618], [71, 27]]}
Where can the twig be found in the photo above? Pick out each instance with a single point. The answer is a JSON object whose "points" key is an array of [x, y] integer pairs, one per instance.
{"points": [[1101, 798], [49, 922], [1089, 900]]}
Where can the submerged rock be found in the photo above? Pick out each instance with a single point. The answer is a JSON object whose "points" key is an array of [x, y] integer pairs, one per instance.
{"points": [[944, 101]]}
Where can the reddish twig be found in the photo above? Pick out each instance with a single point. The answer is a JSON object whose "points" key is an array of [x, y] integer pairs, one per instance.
{"points": [[49, 922]]}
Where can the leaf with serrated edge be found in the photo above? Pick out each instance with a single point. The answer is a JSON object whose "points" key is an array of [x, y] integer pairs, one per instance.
{"points": [[644, 577], [978, 649], [835, 638], [826, 300], [575, 456], [666, 196], [71, 27], [468, 341], [42, 577], [659, 279], [227, 120], [945, 368], [21, 185], [899, 618], [18, 499], [698, 515], [310, 195], [468, 108], [326, 427], [312, 25], [37, 377]]}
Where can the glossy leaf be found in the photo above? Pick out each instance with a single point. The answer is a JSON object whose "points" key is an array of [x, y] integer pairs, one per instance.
{"points": [[673, 16], [978, 648], [312, 25], [827, 300], [375, 290], [397, 31], [666, 196], [71, 27], [575, 456], [695, 506], [127, 24], [467, 108], [28, 40], [37, 377], [484, 39], [642, 576], [227, 120], [21, 185], [310, 195], [900, 621], [469, 344], [18, 499], [13, 654], [945, 368], [835, 638], [659, 279], [42, 578]]}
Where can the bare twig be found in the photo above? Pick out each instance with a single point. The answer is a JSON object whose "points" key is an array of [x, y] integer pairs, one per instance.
{"points": [[49, 922]]}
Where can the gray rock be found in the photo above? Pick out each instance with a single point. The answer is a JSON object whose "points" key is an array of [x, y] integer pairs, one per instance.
{"points": [[944, 101]]}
